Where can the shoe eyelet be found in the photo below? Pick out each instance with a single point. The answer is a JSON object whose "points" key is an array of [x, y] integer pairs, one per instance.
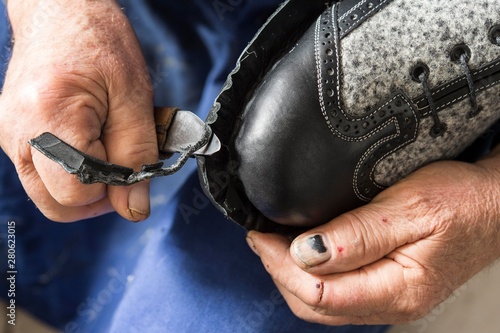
{"points": [[472, 114], [418, 70], [438, 130], [458, 50], [494, 34]]}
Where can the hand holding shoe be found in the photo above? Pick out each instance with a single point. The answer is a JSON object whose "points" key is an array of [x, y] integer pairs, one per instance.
{"points": [[366, 93], [395, 259]]}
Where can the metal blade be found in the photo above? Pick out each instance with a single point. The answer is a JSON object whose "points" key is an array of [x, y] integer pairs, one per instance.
{"points": [[186, 130]]}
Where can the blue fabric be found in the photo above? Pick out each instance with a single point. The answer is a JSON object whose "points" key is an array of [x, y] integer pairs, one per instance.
{"points": [[186, 269]]}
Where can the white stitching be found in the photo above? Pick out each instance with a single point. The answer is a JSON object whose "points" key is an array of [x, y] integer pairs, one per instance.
{"points": [[378, 129], [460, 79], [320, 75], [358, 167], [458, 99], [365, 15], [352, 9], [382, 126], [320, 87], [368, 152]]}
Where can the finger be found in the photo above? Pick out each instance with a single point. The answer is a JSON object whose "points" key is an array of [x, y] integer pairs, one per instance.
{"points": [[368, 292], [305, 312], [130, 140], [356, 238], [274, 252], [52, 209], [63, 187], [76, 119]]}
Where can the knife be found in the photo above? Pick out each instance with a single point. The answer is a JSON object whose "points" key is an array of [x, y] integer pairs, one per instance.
{"points": [[177, 131]]}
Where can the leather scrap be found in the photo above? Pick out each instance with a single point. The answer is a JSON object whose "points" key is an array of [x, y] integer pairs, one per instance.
{"points": [[163, 120]]}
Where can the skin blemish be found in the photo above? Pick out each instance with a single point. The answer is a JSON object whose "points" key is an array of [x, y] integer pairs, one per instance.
{"points": [[340, 249], [316, 243], [385, 220], [321, 289]]}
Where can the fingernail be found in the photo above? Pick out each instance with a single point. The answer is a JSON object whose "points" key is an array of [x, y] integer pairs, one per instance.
{"points": [[251, 243], [138, 202], [311, 250]]}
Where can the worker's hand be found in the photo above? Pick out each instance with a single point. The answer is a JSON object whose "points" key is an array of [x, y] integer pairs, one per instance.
{"points": [[77, 71], [395, 259]]}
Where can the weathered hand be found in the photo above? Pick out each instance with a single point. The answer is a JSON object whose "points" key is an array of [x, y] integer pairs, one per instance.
{"points": [[395, 259], [77, 71]]}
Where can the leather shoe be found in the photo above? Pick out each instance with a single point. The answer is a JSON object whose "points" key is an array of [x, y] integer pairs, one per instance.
{"points": [[332, 103]]}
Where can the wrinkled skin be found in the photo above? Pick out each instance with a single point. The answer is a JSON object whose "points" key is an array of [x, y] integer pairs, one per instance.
{"points": [[395, 259], [77, 71]]}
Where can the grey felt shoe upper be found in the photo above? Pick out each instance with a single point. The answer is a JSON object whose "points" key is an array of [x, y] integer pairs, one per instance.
{"points": [[331, 104]]}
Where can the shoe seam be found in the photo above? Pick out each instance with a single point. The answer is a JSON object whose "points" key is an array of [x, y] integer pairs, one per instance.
{"points": [[461, 98], [339, 106], [362, 17], [459, 79]]}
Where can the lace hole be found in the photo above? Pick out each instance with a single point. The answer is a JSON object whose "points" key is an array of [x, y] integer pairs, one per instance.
{"points": [[438, 130], [495, 34], [458, 51], [417, 70], [472, 114]]}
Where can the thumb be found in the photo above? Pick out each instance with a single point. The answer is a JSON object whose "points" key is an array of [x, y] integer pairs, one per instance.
{"points": [[355, 239], [130, 140]]}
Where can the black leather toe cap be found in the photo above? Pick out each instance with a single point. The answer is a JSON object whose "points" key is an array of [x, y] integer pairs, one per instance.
{"points": [[284, 146]]}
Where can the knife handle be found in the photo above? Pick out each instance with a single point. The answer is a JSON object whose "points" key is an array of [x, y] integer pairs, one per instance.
{"points": [[163, 120]]}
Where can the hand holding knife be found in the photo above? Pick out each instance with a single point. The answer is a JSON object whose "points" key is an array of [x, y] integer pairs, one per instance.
{"points": [[177, 132]]}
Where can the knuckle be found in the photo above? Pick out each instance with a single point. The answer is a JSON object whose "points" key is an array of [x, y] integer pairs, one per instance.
{"points": [[421, 208], [39, 92], [326, 301], [311, 293], [424, 208], [415, 199], [358, 235]]}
